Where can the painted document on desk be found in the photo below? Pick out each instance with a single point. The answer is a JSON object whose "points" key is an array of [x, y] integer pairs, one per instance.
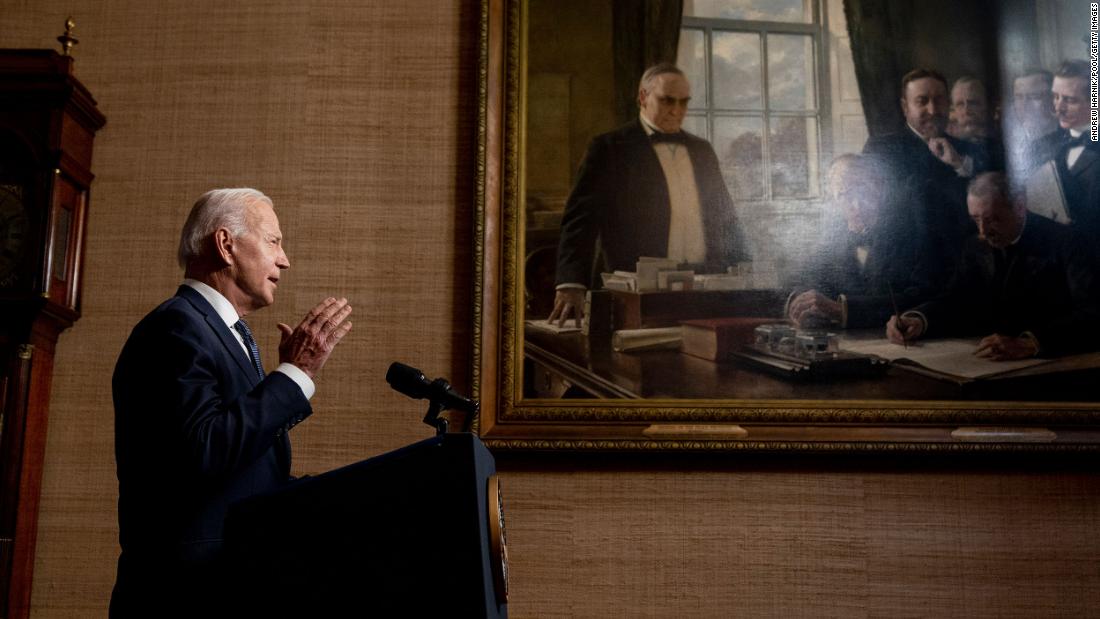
{"points": [[953, 357]]}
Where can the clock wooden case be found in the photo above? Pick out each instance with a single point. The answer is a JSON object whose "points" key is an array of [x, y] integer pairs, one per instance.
{"points": [[48, 121]]}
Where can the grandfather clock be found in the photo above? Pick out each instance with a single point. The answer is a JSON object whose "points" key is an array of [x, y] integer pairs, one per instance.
{"points": [[48, 120]]}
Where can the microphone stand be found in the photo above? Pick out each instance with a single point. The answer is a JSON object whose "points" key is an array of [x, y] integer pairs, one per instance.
{"points": [[436, 406]]}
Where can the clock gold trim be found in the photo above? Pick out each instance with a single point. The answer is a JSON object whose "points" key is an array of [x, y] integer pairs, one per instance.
{"points": [[498, 539]]}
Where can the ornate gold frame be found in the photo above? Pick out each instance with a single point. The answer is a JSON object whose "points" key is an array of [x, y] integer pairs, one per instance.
{"points": [[509, 422]]}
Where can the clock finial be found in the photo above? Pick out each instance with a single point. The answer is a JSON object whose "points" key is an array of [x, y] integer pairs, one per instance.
{"points": [[67, 40]]}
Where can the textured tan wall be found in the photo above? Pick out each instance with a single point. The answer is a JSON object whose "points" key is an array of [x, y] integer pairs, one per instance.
{"points": [[357, 118], [817, 540], [351, 117]]}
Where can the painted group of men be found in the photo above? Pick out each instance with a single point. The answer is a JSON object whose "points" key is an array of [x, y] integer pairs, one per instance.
{"points": [[933, 219], [954, 240]]}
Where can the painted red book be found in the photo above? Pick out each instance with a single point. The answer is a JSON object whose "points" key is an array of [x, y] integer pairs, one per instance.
{"points": [[715, 338]]}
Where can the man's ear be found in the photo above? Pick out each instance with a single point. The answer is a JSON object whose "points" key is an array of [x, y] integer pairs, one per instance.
{"points": [[223, 245], [641, 97]]}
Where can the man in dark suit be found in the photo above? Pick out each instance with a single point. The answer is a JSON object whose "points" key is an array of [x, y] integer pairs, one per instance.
{"points": [[971, 119], [1076, 157], [1024, 279], [936, 166], [870, 258], [198, 423], [1029, 119], [646, 189]]}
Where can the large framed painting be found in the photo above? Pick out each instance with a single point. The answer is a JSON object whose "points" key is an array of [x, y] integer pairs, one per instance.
{"points": [[819, 225]]}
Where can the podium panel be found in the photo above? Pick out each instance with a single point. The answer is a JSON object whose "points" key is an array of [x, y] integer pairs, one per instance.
{"points": [[404, 534]]}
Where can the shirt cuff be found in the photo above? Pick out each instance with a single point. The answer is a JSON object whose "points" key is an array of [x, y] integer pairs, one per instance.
{"points": [[966, 169], [787, 306], [294, 373], [570, 286]]}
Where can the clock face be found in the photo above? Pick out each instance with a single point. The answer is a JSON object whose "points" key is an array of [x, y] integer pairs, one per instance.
{"points": [[14, 230]]}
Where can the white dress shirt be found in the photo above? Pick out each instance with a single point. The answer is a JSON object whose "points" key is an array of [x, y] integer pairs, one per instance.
{"points": [[1074, 153], [230, 317], [686, 240]]}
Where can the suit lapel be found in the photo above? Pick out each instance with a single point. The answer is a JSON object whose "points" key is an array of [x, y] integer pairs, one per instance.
{"points": [[648, 165], [232, 347], [234, 350], [649, 202], [1087, 159], [1024, 259]]}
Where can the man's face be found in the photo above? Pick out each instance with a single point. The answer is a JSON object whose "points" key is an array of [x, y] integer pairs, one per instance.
{"points": [[969, 111], [1071, 105], [1031, 100], [259, 260], [852, 197], [664, 103], [925, 106], [999, 224]]}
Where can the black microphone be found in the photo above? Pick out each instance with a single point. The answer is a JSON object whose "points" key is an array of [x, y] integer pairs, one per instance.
{"points": [[412, 382]]}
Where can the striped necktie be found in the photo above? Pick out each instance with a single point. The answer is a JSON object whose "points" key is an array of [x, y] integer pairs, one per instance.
{"points": [[253, 350]]}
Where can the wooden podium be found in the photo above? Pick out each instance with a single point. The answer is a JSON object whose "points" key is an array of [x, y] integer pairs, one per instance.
{"points": [[415, 532]]}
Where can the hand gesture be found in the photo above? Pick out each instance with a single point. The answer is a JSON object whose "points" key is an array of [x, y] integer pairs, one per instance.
{"points": [[945, 152], [904, 329], [1006, 348], [813, 309], [308, 345], [567, 301]]}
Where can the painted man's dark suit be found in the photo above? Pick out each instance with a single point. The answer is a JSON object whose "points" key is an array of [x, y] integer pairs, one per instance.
{"points": [[195, 430], [1044, 284], [896, 262], [937, 192], [1081, 183], [622, 198]]}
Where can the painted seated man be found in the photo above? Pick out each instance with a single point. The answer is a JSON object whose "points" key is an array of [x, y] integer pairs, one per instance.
{"points": [[872, 253], [1026, 283]]}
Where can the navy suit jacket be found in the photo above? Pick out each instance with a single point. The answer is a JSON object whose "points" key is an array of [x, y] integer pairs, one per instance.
{"points": [[621, 197], [195, 430]]}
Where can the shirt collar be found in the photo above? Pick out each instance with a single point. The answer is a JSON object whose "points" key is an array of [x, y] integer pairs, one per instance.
{"points": [[1019, 236], [917, 133], [216, 300], [646, 126]]}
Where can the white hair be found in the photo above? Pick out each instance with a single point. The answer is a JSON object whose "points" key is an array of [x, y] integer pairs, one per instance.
{"points": [[652, 73], [217, 208]]}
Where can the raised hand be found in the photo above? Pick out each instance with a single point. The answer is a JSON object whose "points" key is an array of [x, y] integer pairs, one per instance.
{"points": [[309, 345], [946, 153]]}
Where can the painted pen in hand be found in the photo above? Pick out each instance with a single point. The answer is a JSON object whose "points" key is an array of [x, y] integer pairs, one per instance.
{"points": [[897, 316]]}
